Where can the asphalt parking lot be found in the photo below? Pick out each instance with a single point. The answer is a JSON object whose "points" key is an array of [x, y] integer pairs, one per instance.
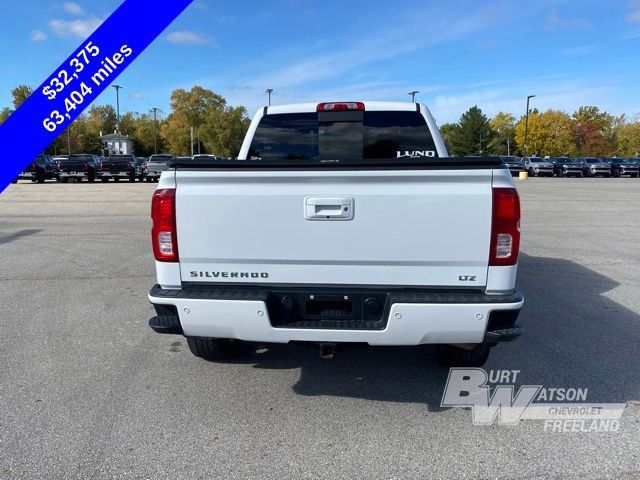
{"points": [[87, 390]]}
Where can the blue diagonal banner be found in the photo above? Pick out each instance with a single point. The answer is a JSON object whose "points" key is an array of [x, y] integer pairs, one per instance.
{"points": [[73, 86]]}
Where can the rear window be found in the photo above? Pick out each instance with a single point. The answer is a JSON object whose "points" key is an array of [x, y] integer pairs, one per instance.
{"points": [[119, 158], [160, 158], [78, 158], [350, 135]]}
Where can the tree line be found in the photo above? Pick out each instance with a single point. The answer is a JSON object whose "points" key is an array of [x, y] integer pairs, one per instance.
{"points": [[218, 128], [587, 132]]}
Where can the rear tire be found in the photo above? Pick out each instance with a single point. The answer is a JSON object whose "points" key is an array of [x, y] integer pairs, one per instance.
{"points": [[532, 173], [14, 181], [132, 179], [450, 356], [214, 348], [91, 176], [104, 180], [64, 179], [560, 173], [616, 173], [40, 176]]}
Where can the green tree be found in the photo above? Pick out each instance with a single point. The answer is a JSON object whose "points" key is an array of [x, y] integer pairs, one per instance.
{"points": [[102, 119], [446, 131], [197, 108], [145, 134], [473, 135], [20, 95], [628, 137], [4, 114], [224, 131], [549, 133], [504, 124]]}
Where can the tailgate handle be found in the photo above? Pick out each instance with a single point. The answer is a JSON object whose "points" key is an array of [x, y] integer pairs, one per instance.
{"points": [[328, 208]]}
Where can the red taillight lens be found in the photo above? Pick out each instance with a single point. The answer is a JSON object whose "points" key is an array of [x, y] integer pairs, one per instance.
{"points": [[505, 227], [340, 106], [163, 234], [86, 167]]}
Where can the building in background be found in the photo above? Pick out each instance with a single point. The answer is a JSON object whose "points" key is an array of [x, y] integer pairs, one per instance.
{"points": [[116, 144]]}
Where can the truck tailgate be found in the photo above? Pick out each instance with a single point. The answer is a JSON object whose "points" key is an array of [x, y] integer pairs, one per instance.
{"points": [[423, 227]]}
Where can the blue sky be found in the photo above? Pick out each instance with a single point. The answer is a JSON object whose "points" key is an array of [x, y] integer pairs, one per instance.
{"points": [[457, 53]]}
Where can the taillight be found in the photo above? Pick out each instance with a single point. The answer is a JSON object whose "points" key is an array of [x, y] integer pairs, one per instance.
{"points": [[163, 234], [505, 227], [340, 106], [86, 167]]}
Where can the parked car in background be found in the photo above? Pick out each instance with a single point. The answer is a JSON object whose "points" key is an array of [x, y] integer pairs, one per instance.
{"points": [[623, 166], [594, 167], [43, 167], [120, 167], [80, 166], [537, 166], [514, 164], [204, 157], [156, 165], [568, 167]]}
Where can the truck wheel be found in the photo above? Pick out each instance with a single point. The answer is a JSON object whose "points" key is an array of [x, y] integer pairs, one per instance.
{"points": [[616, 173], [214, 348], [40, 176], [14, 181], [91, 176], [451, 356], [104, 180], [132, 179], [532, 173], [561, 173]]}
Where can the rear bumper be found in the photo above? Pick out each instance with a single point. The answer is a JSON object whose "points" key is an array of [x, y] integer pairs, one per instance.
{"points": [[118, 175], [408, 317], [73, 175]]}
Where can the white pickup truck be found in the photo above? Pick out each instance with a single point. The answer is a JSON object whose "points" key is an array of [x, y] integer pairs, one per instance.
{"points": [[338, 223]]}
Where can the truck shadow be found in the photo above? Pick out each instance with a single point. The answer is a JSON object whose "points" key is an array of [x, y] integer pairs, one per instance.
{"points": [[575, 337], [10, 237]]}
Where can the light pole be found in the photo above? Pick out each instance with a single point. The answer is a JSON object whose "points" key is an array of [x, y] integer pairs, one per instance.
{"points": [[526, 126], [413, 95], [118, 87], [269, 92], [155, 130]]}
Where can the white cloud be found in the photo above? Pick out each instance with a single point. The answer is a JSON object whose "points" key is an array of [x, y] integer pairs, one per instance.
{"points": [[73, 8], [136, 96], [633, 17], [75, 28], [186, 37], [578, 51], [406, 36], [557, 22], [38, 36]]}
